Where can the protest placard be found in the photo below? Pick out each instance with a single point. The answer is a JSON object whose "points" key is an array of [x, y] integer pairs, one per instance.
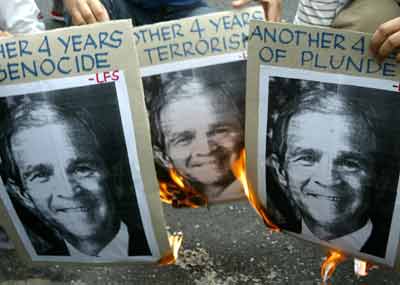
{"points": [[78, 183], [194, 79], [323, 144]]}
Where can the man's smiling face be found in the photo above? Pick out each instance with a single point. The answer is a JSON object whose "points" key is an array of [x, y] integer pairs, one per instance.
{"points": [[203, 137], [328, 166], [63, 177]]}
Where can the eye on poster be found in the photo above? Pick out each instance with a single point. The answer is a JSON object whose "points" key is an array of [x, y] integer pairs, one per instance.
{"points": [[194, 74], [78, 183], [323, 144]]}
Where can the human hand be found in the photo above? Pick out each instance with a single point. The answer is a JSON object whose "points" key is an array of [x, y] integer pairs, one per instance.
{"points": [[4, 34], [272, 8], [86, 11], [386, 40]]}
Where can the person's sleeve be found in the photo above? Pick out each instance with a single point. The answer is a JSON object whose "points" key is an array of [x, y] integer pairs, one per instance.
{"points": [[20, 16], [366, 15]]}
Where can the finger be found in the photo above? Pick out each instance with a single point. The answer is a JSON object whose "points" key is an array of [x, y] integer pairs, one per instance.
{"points": [[86, 12], [398, 57], [4, 34], [265, 6], [77, 19], [239, 3], [98, 10], [382, 33], [272, 10], [388, 46]]}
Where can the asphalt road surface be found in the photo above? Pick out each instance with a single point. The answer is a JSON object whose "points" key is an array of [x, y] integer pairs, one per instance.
{"points": [[226, 244]]}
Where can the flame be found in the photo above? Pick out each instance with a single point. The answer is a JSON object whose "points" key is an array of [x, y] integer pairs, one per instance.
{"points": [[362, 267], [164, 195], [175, 241], [333, 259], [176, 178], [179, 193], [239, 170]]}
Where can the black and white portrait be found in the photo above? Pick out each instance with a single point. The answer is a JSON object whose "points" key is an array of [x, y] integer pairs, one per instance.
{"points": [[332, 162], [65, 168], [197, 124]]}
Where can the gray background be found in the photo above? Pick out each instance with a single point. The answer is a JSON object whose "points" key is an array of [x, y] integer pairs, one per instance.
{"points": [[226, 244]]}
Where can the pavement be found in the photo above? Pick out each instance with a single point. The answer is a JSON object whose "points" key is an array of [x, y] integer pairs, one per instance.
{"points": [[223, 245]]}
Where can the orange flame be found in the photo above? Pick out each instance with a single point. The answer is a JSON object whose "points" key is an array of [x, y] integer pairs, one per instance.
{"points": [[179, 194], [176, 178], [333, 259], [362, 267], [239, 170], [175, 242]]}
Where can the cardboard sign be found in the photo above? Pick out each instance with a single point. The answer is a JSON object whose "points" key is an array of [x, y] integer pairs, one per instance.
{"points": [[193, 72], [77, 179], [323, 143]]}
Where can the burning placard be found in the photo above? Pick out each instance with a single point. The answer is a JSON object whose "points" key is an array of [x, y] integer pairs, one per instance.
{"points": [[194, 79], [75, 146], [322, 151]]}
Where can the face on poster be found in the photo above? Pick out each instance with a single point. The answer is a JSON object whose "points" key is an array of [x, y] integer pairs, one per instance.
{"points": [[70, 181], [331, 148], [197, 122]]}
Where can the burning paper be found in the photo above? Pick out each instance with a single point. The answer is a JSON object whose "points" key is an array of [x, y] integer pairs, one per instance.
{"points": [[360, 267], [195, 92], [322, 140], [239, 169], [180, 194], [199, 151], [175, 241], [333, 259]]}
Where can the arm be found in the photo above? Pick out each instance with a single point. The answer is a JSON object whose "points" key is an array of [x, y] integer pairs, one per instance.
{"points": [[86, 11], [386, 40], [19, 16], [272, 8]]}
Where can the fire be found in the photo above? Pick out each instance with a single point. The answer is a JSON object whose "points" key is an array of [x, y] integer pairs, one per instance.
{"points": [[362, 267], [179, 193], [239, 170], [333, 259], [176, 178], [175, 242]]}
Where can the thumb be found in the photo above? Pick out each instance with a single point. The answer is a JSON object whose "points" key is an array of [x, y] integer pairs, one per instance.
{"points": [[239, 3]]}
